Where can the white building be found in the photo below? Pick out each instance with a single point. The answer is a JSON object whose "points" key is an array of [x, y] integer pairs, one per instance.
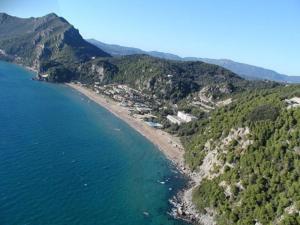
{"points": [[181, 118], [142, 109], [186, 117], [293, 102], [174, 119]]}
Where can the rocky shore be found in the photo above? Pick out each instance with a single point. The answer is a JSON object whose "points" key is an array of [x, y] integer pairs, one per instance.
{"points": [[184, 208]]}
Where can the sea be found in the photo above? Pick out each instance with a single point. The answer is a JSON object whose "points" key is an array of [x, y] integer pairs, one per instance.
{"points": [[64, 160]]}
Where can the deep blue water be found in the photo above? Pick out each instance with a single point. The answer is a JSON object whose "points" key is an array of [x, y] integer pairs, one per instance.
{"points": [[65, 160]]}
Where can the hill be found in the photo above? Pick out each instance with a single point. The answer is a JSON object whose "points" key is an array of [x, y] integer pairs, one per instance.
{"points": [[57, 51], [252, 147], [244, 70], [251, 72], [166, 79], [49, 44]]}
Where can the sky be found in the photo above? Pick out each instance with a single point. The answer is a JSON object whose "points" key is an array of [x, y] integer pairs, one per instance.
{"points": [[259, 32]]}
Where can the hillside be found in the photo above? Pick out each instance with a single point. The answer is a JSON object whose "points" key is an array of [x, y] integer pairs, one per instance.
{"points": [[165, 79], [57, 51], [244, 70], [48, 44], [251, 72], [252, 147]]}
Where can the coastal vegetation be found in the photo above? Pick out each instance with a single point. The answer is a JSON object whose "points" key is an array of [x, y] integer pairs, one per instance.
{"points": [[257, 181], [164, 79]]}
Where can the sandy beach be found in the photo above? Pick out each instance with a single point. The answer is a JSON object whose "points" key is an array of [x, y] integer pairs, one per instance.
{"points": [[168, 144]]}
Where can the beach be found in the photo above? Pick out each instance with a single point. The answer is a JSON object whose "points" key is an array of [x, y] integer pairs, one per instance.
{"points": [[167, 143], [170, 146]]}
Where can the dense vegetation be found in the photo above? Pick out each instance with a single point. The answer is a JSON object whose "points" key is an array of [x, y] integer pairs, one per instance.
{"points": [[244, 70], [264, 177], [166, 79], [49, 44]]}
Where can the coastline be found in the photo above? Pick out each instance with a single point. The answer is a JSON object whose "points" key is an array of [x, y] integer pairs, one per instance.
{"points": [[170, 146], [167, 143]]}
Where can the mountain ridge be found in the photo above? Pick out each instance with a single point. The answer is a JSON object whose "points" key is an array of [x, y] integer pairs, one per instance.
{"points": [[245, 70], [48, 44], [52, 46]]}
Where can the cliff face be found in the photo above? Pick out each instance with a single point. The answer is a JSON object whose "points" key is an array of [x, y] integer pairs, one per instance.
{"points": [[46, 43]]}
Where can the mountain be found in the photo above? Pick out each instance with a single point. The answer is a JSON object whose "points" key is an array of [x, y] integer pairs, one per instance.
{"points": [[250, 71], [165, 79], [57, 51], [49, 44], [116, 50], [244, 70]]}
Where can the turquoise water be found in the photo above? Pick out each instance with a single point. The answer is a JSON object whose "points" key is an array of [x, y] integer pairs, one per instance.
{"points": [[64, 160]]}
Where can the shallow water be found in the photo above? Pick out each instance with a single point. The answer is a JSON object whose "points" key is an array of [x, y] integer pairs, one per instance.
{"points": [[65, 160]]}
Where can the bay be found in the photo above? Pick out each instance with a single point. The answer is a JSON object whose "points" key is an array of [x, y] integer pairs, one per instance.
{"points": [[66, 160]]}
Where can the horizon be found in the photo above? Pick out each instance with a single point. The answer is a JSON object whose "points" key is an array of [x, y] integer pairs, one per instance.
{"points": [[242, 32]]}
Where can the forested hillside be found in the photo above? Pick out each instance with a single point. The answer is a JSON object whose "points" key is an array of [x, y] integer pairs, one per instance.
{"points": [[247, 71], [256, 172], [165, 79]]}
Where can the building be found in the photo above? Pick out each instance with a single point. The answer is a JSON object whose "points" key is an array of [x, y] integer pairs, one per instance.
{"points": [[293, 102], [142, 109], [45, 75], [174, 119], [155, 125], [186, 117], [181, 118]]}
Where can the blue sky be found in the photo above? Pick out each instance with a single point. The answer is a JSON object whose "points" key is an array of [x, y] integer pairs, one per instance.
{"points": [[259, 32]]}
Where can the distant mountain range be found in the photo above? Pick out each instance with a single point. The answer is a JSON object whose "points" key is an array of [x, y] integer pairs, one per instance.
{"points": [[54, 48], [244, 70]]}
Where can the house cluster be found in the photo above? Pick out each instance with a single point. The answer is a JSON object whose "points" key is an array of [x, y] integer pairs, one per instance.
{"points": [[128, 97], [181, 118], [139, 104], [2, 52], [293, 102]]}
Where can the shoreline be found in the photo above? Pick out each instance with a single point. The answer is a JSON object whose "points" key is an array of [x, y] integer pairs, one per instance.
{"points": [[165, 142], [182, 205], [169, 145]]}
